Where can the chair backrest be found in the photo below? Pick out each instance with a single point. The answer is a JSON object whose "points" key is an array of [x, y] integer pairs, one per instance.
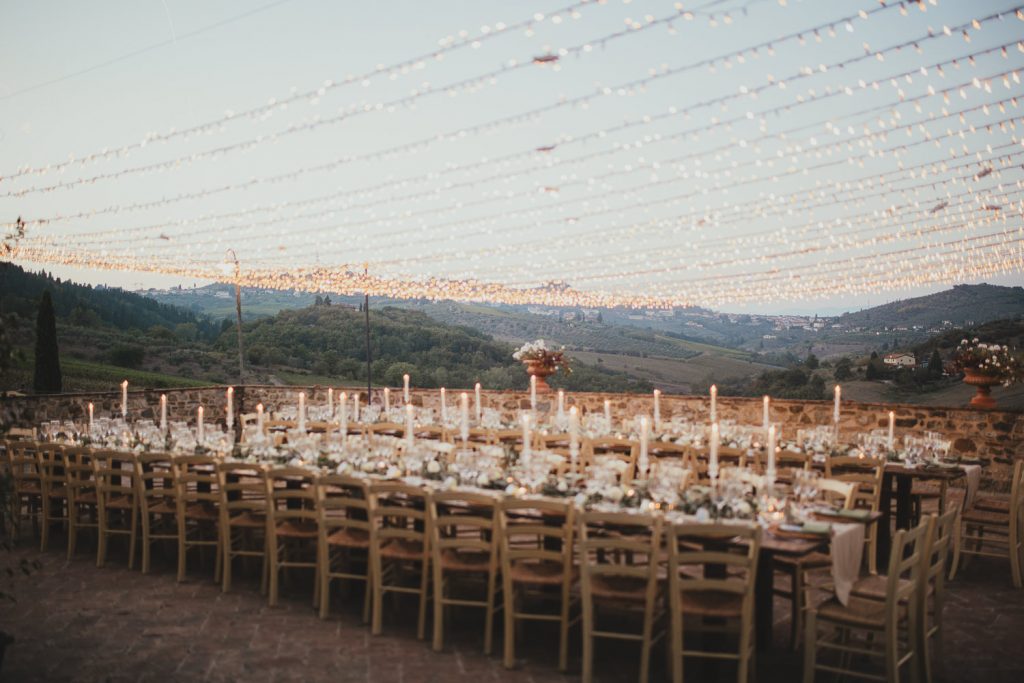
{"points": [[115, 475], [906, 562], [21, 434], [79, 473], [155, 480], [463, 521], [243, 488], [866, 473], [50, 461], [342, 503], [197, 479], [787, 462], [940, 541], [694, 546], [837, 492], [670, 452], [537, 530], [1017, 493], [290, 495], [619, 544], [23, 458], [727, 457], [398, 511], [603, 448]]}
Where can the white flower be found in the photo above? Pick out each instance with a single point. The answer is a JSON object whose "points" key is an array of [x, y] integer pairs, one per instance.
{"points": [[483, 480], [433, 467], [743, 508], [580, 499], [562, 487], [613, 493], [393, 472]]}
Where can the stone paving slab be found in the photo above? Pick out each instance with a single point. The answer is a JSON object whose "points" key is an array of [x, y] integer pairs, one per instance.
{"points": [[76, 622]]}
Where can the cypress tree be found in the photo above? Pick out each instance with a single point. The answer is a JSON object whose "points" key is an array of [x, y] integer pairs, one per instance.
{"points": [[47, 371]]}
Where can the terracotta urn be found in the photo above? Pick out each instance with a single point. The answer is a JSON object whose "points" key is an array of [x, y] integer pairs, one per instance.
{"points": [[984, 384], [538, 369]]}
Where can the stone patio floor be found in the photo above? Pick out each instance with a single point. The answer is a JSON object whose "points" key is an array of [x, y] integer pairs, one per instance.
{"points": [[75, 622]]}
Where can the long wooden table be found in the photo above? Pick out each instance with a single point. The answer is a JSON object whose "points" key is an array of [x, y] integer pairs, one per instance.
{"points": [[903, 478]]}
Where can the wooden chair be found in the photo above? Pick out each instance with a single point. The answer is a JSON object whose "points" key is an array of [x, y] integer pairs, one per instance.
{"points": [[54, 499], [198, 516], [343, 522], [721, 596], [537, 561], [889, 625], [464, 545], [243, 517], [83, 495], [291, 522], [399, 539], [23, 461], [118, 506], [607, 447], [619, 562], [21, 434], [992, 533], [839, 493], [787, 463], [727, 457], [156, 493], [867, 474]]}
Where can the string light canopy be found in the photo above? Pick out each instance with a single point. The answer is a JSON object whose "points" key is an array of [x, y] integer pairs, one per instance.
{"points": [[599, 154]]}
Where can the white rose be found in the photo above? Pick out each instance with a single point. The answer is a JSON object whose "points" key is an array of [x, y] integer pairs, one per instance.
{"points": [[562, 487], [433, 467], [614, 494], [743, 508], [483, 480]]}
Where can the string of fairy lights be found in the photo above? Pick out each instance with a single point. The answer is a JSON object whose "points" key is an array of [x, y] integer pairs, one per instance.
{"points": [[813, 164]]}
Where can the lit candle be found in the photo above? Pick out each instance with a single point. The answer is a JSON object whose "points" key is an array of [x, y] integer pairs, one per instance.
{"points": [[405, 387], [561, 404], [479, 404], [835, 407], [464, 417], [771, 453], [90, 416], [410, 431], [229, 421], [163, 413], [330, 402], [343, 415], [302, 411], [767, 401], [574, 436], [124, 399], [526, 440], [199, 424], [444, 407], [714, 404], [387, 401], [259, 418], [657, 409], [608, 413], [713, 448], [355, 406], [645, 426], [533, 392], [892, 430]]}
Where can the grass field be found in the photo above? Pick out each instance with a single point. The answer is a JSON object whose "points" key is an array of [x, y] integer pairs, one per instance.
{"points": [[674, 375], [81, 375]]}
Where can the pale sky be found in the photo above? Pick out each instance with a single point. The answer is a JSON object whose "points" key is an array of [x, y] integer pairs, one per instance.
{"points": [[667, 204]]}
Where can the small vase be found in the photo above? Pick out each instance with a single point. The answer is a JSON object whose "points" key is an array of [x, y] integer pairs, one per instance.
{"points": [[538, 369], [984, 383]]}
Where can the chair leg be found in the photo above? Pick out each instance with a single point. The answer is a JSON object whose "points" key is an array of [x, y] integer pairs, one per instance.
{"points": [[378, 597], [44, 534], [101, 539], [489, 614], [892, 652], [72, 530], [225, 577], [676, 648], [873, 550], [145, 544], [588, 639], [563, 641], [810, 645], [421, 630], [509, 597], [133, 538], [743, 668], [182, 548], [273, 571], [324, 582], [438, 609], [1014, 553], [796, 585], [956, 552], [913, 629]]}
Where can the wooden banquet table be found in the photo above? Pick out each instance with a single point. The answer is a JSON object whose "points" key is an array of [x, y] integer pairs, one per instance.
{"points": [[903, 477]]}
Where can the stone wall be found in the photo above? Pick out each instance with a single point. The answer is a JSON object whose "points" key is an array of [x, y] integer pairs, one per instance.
{"points": [[995, 434]]}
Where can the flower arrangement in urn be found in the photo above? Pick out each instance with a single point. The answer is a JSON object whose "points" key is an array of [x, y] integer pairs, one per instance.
{"points": [[540, 361], [987, 365]]}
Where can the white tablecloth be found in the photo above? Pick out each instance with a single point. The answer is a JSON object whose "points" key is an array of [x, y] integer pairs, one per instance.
{"points": [[973, 473], [847, 551]]}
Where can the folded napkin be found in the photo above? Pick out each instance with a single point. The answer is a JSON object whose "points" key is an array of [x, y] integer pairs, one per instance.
{"points": [[856, 513], [973, 473], [811, 527], [847, 549]]}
